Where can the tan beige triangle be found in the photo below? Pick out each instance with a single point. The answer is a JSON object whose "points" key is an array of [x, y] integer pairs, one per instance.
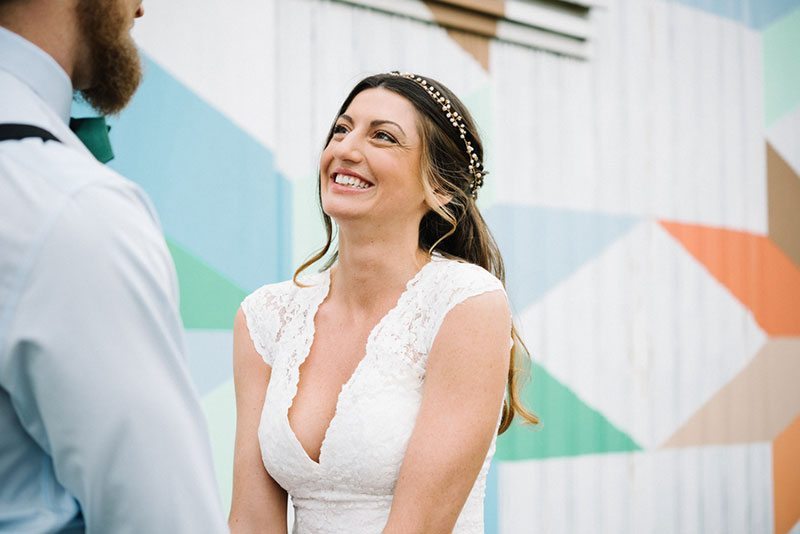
{"points": [[476, 45], [783, 190], [470, 23], [755, 406]]}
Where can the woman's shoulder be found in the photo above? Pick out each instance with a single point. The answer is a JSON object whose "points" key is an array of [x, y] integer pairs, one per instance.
{"points": [[277, 293], [454, 281], [450, 282], [452, 274], [270, 308], [279, 298]]}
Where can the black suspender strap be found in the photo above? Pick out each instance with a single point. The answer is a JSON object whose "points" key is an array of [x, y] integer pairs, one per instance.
{"points": [[16, 132]]}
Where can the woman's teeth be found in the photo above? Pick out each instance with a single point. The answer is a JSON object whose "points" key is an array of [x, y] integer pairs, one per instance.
{"points": [[344, 179]]}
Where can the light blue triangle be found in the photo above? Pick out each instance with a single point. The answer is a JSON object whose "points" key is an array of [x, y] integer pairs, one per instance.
{"points": [[216, 188], [210, 358], [756, 14], [543, 246]]}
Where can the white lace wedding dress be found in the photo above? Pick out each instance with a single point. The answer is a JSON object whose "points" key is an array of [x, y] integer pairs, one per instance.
{"points": [[350, 489]]}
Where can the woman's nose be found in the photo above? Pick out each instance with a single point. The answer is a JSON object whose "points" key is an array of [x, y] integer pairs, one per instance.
{"points": [[348, 148]]}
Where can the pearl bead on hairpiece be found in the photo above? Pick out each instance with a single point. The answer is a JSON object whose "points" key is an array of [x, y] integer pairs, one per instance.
{"points": [[475, 165]]}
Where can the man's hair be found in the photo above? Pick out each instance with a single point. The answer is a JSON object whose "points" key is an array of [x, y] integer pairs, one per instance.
{"points": [[6, 3]]}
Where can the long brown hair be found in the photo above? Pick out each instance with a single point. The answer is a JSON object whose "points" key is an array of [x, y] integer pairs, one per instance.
{"points": [[455, 228]]}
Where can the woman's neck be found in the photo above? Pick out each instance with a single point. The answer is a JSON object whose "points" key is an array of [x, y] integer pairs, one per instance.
{"points": [[371, 272]]}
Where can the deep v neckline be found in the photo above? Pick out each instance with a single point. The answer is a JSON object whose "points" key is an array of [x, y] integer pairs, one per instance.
{"points": [[309, 342]]}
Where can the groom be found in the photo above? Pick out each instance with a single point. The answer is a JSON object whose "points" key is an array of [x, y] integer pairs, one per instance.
{"points": [[100, 426]]}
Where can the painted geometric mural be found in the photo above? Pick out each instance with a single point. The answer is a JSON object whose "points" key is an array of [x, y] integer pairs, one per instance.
{"points": [[646, 200]]}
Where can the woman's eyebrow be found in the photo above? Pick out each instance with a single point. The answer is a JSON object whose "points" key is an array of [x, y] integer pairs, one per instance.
{"points": [[380, 122], [373, 124]]}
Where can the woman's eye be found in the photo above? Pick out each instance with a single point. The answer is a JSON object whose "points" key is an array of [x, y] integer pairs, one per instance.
{"points": [[339, 129], [383, 136]]}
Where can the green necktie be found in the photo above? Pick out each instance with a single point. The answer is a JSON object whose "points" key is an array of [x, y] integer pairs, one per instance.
{"points": [[93, 132]]}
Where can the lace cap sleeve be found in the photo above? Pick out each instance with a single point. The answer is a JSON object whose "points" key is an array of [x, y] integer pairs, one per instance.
{"points": [[259, 311], [457, 283]]}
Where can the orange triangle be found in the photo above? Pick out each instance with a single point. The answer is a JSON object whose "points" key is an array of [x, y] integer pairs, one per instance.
{"points": [[786, 478], [753, 269]]}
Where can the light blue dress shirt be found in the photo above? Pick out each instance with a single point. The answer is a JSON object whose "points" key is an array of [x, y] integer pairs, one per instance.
{"points": [[100, 426]]}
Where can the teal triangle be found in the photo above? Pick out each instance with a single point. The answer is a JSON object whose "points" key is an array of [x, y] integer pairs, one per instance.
{"points": [[569, 427], [208, 300], [543, 246], [217, 189]]}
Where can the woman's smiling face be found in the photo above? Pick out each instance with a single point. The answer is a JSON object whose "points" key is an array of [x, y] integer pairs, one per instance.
{"points": [[370, 169]]}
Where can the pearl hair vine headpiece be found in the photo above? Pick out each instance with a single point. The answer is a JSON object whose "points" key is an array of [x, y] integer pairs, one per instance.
{"points": [[475, 165]]}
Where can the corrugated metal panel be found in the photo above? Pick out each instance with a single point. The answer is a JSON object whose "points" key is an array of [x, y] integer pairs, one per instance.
{"points": [[654, 278]]}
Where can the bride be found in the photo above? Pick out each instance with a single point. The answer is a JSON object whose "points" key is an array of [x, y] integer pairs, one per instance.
{"points": [[373, 391]]}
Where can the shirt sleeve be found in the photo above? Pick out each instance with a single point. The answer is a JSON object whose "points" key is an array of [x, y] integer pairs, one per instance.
{"points": [[97, 372]]}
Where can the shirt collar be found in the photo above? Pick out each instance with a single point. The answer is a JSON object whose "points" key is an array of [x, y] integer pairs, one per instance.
{"points": [[37, 69]]}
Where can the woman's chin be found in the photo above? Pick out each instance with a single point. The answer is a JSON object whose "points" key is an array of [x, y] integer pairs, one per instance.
{"points": [[343, 211]]}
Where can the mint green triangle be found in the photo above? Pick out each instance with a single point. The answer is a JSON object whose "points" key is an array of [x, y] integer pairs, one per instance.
{"points": [[781, 42], [569, 427], [208, 300], [219, 407]]}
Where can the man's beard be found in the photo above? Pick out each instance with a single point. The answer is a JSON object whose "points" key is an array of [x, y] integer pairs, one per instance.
{"points": [[115, 68]]}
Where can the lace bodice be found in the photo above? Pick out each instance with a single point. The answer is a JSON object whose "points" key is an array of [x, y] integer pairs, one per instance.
{"points": [[350, 489]]}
